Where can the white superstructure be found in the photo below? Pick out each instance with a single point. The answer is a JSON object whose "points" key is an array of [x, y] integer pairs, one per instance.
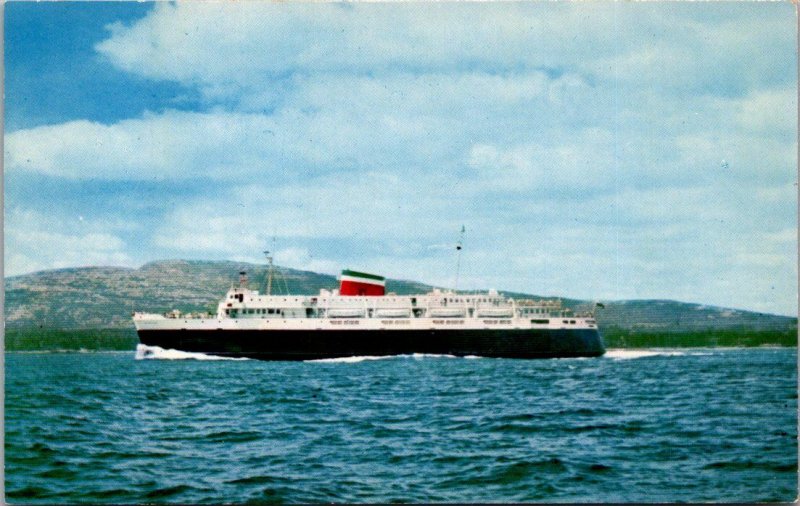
{"points": [[247, 309]]}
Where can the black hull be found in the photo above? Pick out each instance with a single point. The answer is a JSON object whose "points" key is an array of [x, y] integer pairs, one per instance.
{"points": [[305, 345]]}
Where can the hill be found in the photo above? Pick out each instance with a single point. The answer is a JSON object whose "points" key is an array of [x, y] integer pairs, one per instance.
{"points": [[104, 297]]}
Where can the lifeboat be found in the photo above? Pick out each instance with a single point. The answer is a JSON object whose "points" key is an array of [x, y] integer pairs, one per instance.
{"points": [[346, 313], [393, 313], [446, 312], [495, 313]]}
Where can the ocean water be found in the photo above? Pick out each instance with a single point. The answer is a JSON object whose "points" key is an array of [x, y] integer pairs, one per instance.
{"points": [[170, 427]]}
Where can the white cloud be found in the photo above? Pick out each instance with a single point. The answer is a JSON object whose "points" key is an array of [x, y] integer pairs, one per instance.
{"points": [[215, 45], [371, 206], [587, 159], [786, 235], [770, 111], [166, 146], [351, 123], [228, 50], [36, 241], [302, 258], [362, 124]]}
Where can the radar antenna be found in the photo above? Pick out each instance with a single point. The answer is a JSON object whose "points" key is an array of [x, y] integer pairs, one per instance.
{"points": [[459, 245]]}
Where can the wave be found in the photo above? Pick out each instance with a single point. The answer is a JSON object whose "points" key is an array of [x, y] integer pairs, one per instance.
{"points": [[621, 354], [144, 352]]}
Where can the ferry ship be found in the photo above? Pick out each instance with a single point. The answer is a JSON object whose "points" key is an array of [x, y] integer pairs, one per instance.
{"points": [[360, 319]]}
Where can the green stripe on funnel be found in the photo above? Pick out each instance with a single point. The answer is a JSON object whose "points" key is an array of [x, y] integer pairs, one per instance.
{"points": [[357, 274]]}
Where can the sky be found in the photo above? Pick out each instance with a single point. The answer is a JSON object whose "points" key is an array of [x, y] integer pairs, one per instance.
{"points": [[594, 150]]}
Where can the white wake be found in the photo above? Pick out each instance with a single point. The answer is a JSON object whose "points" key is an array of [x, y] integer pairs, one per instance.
{"points": [[620, 354], [362, 358], [349, 360], [418, 356], [144, 352]]}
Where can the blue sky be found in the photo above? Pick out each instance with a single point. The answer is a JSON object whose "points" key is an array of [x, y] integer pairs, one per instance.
{"points": [[592, 150]]}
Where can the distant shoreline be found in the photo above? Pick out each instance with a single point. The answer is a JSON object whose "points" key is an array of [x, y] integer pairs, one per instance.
{"points": [[95, 340]]}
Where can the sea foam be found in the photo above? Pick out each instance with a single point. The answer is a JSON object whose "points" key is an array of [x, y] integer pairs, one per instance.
{"points": [[621, 354], [349, 360], [144, 352], [418, 356], [362, 358]]}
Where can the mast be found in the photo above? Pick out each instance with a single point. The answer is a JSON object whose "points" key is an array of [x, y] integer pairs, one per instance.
{"points": [[269, 272], [458, 260]]}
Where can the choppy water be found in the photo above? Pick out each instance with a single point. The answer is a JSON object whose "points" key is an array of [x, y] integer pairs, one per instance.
{"points": [[699, 425]]}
